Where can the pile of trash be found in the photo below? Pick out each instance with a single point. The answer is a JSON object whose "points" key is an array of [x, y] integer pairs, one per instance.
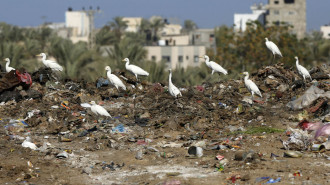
{"points": [[214, 131]]}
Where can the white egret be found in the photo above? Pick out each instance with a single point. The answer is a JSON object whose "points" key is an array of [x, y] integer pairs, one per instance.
{"points": [[302, 71], [174, 91], [114, 80], [214, 66], [8, 68], [273, 48], [250, 85], [49, 63], [135, 69], [99, 110]]}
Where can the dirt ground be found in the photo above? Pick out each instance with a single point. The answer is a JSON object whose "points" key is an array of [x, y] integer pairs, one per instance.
{"points": [[158, 131]]}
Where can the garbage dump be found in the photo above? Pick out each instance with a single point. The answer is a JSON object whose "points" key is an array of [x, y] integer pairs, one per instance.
{"points": [[214, 133]]}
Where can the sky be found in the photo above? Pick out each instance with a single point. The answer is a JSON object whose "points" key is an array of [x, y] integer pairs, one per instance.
{"points": [[205, 13]]}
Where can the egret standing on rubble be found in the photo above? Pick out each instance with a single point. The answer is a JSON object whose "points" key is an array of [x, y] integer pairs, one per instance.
{"points": [[49, 63], [135, 69], [114, 80], [214, 66], [273, 48], [251, 86], [174, 91], [99, 110], [302, 71], [8, 68]]}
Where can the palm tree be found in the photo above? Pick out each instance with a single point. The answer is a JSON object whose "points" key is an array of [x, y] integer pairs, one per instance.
{"points": [[118, 26], [189, 26], [12, 51], [156, 24], [105, 37], [126, 49], [77, 60]]}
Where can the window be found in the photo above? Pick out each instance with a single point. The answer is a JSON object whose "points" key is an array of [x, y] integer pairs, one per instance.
{"points": [[276, 2], [180, 58], [291, 12], [187, 57], [211, 37], [196, 59], [153, 58], [276, 12], [166, 58], [288, 1]]}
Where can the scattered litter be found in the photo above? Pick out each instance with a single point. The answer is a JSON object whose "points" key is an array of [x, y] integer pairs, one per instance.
{"points": [[28, 144], [196, 151]]}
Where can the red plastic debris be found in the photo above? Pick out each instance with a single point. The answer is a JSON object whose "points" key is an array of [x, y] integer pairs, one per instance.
{"points": [[297, 174], [200, 88], [220, 157], [306, 125], [24, 77]]}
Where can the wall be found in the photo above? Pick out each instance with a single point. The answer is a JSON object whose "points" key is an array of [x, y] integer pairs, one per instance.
{"points": [[78, 20], [325, 31], [291, 13], [188, 55]]}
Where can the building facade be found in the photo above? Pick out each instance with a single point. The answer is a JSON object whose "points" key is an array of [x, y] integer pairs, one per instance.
{"points": [[325, 31], [292, 12], [79, 25], [176, 56], [202, 37], [133, 23], [258, 14]]}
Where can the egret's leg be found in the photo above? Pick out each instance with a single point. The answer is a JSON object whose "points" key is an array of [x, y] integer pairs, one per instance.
{"points": [[212, 72]]}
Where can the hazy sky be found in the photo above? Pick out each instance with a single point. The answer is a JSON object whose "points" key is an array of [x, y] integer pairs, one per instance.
{"points": [[205, 13]]}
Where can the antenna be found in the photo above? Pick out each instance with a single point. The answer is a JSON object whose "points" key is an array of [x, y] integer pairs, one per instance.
{"points": [[90, 13]]}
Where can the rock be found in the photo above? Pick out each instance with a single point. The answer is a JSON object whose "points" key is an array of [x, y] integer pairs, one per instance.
{"points": [[247, 99], [87, 170], [260, 118], [245, 177], [139, 155], [145, 115]]}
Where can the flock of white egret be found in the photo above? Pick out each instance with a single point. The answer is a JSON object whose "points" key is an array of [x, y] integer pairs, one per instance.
{"points": [[173, 90]]}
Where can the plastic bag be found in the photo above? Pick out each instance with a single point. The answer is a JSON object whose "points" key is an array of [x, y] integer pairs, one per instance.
{"points": [[312, 94]]}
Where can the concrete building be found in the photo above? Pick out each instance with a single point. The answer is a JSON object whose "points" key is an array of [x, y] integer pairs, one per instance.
{"points": [[79, 24], [325, 31], [133, 23], [175, 40], [171, 29], [258, 14], [202, 37], [176, 56], [292, 12]]}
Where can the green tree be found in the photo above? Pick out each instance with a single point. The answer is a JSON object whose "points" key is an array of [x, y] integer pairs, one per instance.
{"points": [[189, 26], [156, 24], [126, 49]]}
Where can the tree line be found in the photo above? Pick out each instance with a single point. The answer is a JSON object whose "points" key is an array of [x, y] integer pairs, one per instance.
{"points": [[236, 51]]}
